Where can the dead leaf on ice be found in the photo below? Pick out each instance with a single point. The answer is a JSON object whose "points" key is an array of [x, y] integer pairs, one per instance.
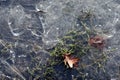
{"points": [[70, 61]]}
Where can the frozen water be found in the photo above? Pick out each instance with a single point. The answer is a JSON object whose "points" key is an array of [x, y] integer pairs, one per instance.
{"points": [[55, 20], [28, 26]]}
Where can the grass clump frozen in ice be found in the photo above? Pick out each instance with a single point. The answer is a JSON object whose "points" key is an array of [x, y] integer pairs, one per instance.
{"points": [[85, 44]]}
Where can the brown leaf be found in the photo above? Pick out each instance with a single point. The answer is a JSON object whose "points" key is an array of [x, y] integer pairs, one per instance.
{"points": [[70, 61], [97, 42]]}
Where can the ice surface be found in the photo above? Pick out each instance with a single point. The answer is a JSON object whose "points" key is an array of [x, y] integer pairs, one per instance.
{"points": [[25, 30]]}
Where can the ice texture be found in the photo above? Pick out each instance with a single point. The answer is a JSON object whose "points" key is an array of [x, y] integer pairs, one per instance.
{"points": [[32, 26]]}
